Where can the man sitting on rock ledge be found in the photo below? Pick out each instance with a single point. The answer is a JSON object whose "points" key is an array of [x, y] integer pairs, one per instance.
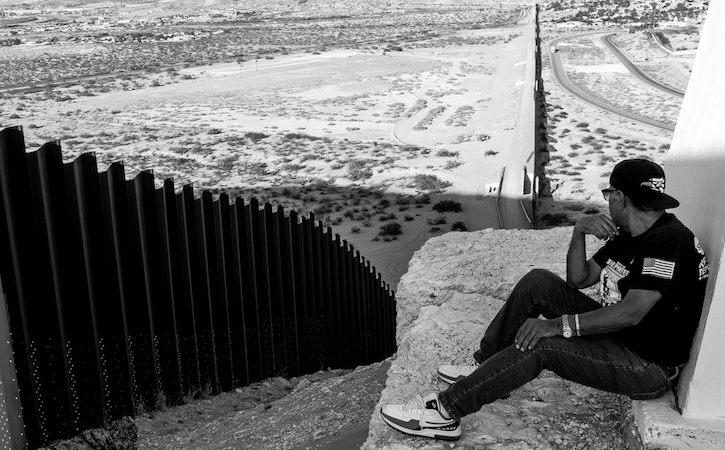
{"points": [[632, 341]]}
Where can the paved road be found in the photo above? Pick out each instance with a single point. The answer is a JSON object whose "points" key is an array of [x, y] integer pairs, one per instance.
{"points": [[636, 71], [517, 158], [561, 78]]}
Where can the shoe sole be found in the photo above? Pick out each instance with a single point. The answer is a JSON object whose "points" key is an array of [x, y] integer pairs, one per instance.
{"points": [[429, 433]]}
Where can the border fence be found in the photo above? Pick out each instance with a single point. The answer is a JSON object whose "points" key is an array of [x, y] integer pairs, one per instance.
{"points": [[123, 297]]}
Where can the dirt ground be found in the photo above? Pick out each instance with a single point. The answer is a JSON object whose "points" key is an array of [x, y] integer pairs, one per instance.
{"points": [[325, 410]]}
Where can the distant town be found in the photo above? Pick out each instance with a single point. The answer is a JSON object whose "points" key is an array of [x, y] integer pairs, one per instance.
{"points": [[628, 13]]}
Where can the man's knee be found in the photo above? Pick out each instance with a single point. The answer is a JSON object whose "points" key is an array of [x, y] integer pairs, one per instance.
{"points": [[539, 277]]}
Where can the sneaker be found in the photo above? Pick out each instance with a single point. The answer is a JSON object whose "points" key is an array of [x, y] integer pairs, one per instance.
{"points": [[450, 373], [422, 417]]}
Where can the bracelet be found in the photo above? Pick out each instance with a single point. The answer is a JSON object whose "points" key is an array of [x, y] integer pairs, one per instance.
{"points": [[576, 324]]}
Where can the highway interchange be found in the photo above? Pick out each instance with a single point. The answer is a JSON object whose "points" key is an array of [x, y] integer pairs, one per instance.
{"points": [[560, 76]]}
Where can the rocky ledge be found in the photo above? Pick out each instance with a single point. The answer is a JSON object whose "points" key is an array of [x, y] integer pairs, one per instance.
{"points": [[454, 286]]}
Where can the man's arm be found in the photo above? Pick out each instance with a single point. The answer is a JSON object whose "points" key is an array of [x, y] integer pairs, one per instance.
{"points": [[629, 312], [580, 272]]}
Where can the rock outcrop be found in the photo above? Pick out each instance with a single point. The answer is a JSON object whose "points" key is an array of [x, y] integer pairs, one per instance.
{"points": [[454, 286]]}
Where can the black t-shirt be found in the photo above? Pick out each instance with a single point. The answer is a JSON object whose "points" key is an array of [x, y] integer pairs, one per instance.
{"points": [[665, 258]]}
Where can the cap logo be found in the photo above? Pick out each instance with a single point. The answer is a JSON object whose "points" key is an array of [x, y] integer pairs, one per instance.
{"points": [[655, 184]]}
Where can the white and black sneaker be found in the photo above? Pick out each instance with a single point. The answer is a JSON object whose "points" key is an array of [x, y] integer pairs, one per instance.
{"points": [[450, 373], [422, 417]]}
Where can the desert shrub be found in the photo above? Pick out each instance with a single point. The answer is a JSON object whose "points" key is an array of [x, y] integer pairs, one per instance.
{"points": [[582, 125], [438, 220], [213, 131], [355, 230], [408, 218], [322, 209], [425, 182], [459, 226], [591, 211], [293, 136], [600, 131], [490, 153], [390, 216], [664, 39], [422, 200], [255, 136], [604, 160], [575, 146], [447, 205], [292, 167], [258, 168], [446, 153], [391, 229], [356, 170]]}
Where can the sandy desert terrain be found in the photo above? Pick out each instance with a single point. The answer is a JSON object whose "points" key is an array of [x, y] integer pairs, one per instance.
{"points": [[364, 136]]}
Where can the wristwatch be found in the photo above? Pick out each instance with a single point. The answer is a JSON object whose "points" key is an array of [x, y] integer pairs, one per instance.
{"points": [[565, 327]]}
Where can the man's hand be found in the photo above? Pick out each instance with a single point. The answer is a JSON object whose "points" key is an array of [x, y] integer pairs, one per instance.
{"points": [[600, 226], [533, 330]]}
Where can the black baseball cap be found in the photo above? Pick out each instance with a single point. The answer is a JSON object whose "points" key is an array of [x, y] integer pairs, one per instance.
{"points": [[644, 182]]}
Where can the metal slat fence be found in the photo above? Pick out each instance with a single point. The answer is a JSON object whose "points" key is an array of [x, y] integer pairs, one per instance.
{"points": [[121, 296]]}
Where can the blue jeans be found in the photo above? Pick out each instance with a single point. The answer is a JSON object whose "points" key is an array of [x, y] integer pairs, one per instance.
{"points": [[598, 361]]}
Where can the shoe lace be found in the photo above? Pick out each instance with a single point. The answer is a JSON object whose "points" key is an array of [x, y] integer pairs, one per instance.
{"points": [[414, 404], [467, 365]]}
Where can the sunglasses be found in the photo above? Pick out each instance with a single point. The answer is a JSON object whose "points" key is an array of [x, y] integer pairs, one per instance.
{"points": [[607, 192]]}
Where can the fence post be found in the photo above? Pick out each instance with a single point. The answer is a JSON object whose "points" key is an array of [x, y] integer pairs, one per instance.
{"points": [[256, 242], [303, 310], [203, 303], [38, 355], [12, 430], [246, 285], [287, 230], [272, 267], [328, 304], [313, 295], [178, 288], [351, 305]]}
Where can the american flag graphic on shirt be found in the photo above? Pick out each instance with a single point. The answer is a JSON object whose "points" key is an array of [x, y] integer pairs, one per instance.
{"points": [[658, 268]]}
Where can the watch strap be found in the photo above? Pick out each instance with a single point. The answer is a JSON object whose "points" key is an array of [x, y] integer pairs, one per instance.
{"points": [[565, 326]]}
